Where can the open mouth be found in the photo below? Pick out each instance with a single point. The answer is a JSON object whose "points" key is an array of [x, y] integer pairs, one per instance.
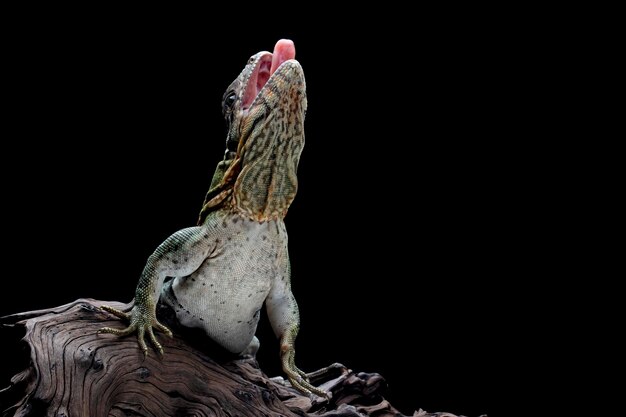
{"points": [[267, 65]]}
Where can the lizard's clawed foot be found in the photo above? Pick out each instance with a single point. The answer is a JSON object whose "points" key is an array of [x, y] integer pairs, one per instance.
{"points": [[299, 379], [142, 323], [335, 368]]}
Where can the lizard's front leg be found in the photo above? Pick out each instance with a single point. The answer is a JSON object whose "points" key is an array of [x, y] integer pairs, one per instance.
{"points": [[179, 255], [282, 311]]}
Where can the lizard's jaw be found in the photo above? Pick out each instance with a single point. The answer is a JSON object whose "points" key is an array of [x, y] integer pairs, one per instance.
{"points": [[266, 65], [258, 78]]}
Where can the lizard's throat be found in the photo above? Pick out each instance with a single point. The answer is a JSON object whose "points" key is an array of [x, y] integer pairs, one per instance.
{"points": [[267, 183], [262, 194]]}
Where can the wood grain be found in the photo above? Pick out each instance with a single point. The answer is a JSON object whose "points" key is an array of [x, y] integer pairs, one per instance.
{"points": [[75, 371]]}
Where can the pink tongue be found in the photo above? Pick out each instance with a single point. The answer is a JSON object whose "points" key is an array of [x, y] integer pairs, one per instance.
{"points": [[283, 51]]}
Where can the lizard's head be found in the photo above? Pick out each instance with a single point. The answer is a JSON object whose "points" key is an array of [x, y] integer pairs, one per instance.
{"points": [[264, 108], [270, 86]]}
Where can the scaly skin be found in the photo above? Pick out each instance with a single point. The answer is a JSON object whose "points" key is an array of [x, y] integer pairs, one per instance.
{"points": [[236, 258]]}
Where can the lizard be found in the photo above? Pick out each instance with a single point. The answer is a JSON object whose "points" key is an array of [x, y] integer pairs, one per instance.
{"points": [[221, 271]]}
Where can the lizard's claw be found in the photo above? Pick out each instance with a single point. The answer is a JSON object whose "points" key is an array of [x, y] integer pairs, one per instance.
{"points": [[140, 322], [298, 378], [119, 313]]}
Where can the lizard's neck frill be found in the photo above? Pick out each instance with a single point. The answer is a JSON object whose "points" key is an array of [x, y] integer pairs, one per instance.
{"points": [[229, 210], [258, 217]]}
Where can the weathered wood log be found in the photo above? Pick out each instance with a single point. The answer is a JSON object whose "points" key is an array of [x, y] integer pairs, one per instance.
{"points": [[75, 371]]}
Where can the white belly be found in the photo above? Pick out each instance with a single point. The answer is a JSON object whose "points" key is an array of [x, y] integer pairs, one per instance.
{"points": [[225, 295]]}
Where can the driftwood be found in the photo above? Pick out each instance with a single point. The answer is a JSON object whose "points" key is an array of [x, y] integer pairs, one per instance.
{"points": [[74, 371]]}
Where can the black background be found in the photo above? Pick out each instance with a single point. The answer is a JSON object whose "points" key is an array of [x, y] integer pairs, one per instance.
{"points": [[404, 225]]}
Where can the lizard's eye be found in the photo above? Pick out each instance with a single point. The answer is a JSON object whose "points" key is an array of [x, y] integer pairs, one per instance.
{"points": [[230, 100], [227, 103]]}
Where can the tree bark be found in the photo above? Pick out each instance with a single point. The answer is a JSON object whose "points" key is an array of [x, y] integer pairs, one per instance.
{"points": [[75, 371]]}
